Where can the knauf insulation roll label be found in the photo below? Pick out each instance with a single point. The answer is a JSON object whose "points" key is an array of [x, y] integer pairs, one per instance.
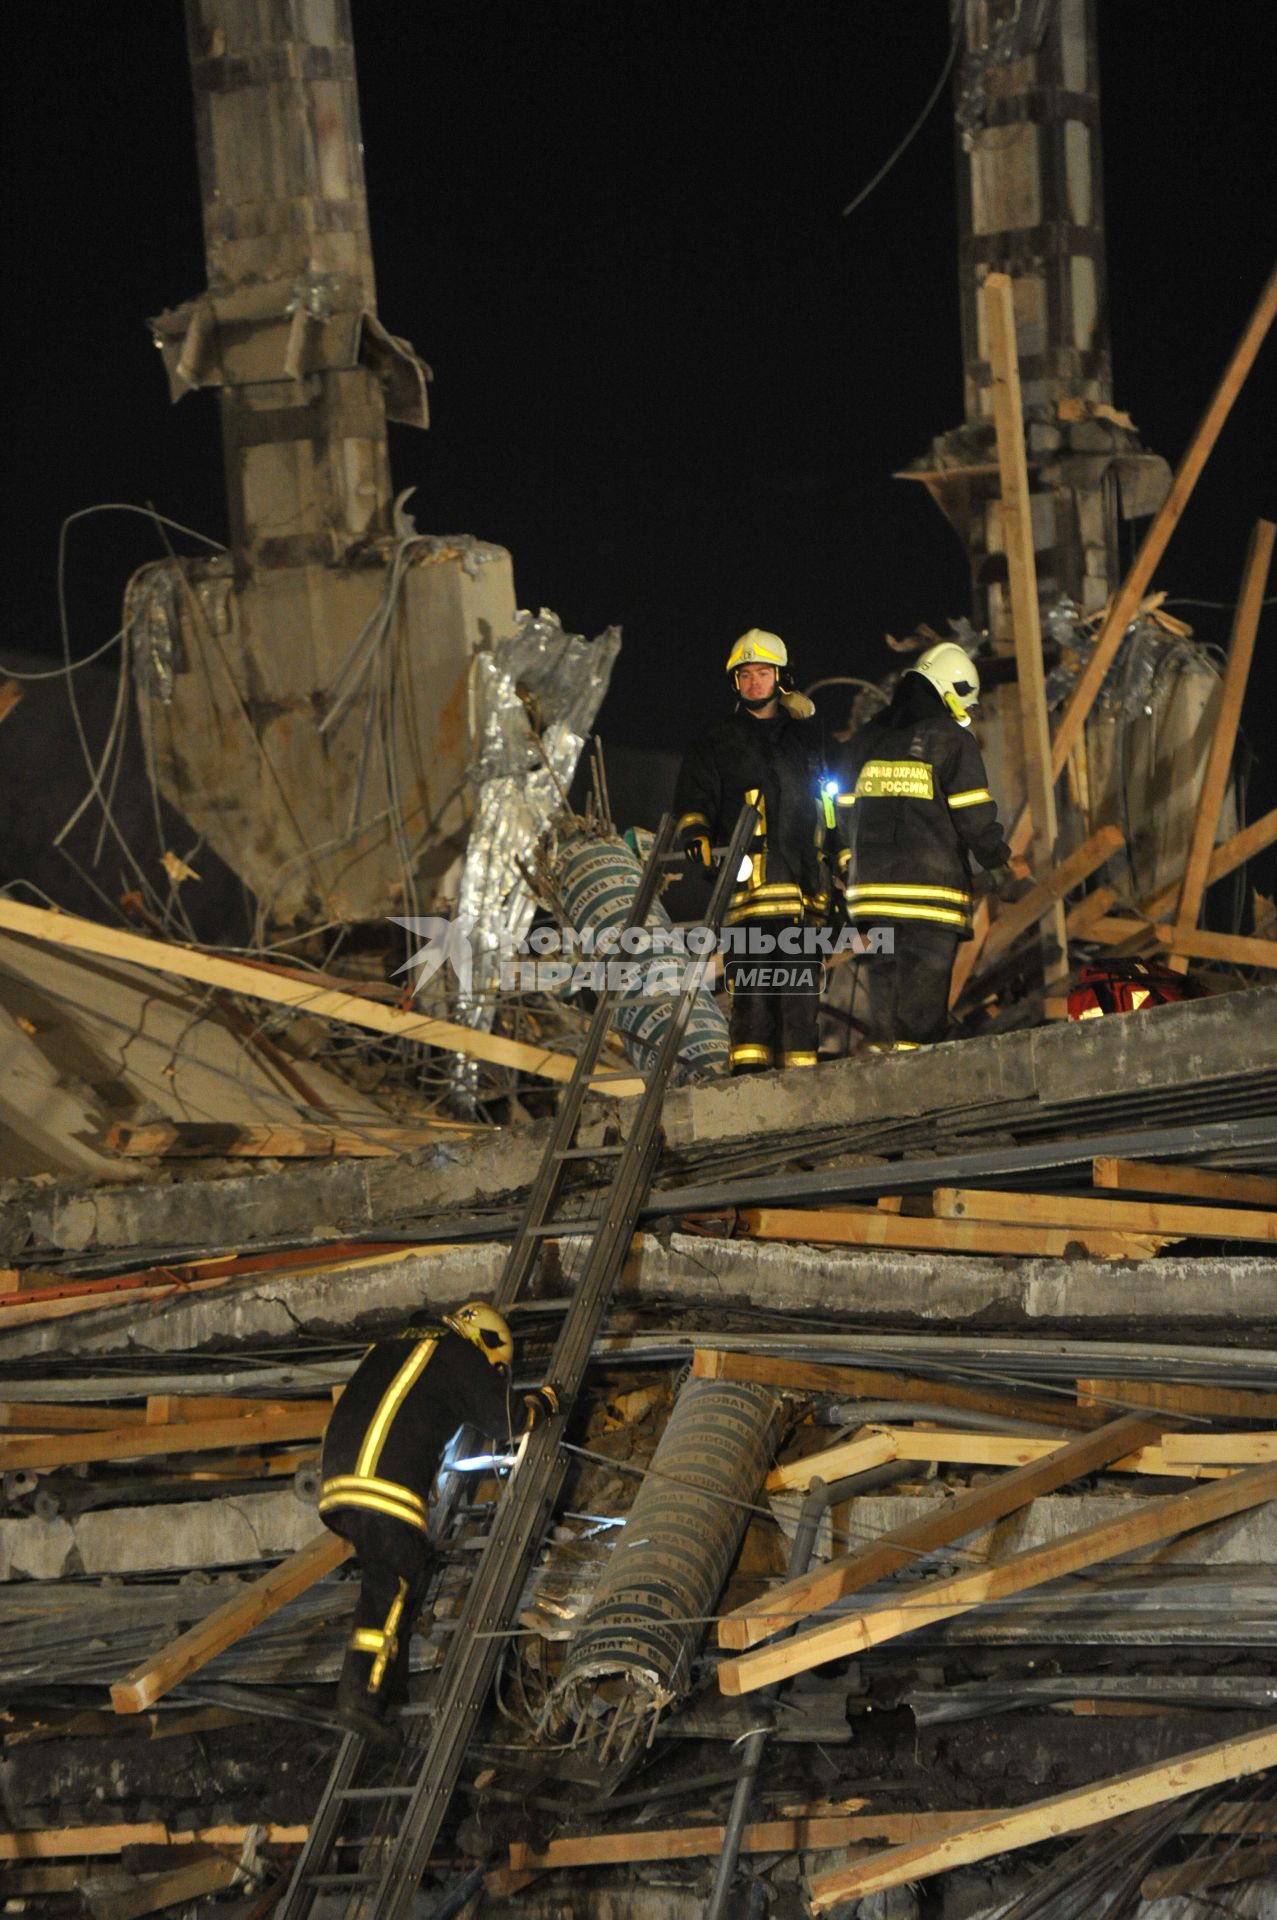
{"points": [[895, 780]]}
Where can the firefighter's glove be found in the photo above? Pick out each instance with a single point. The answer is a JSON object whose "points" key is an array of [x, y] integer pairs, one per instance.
{"points": [[842, 868], [696, 847], [541, 1404], [1011, 881]]}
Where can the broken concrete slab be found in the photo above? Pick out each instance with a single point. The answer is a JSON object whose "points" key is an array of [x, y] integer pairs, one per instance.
{"points": [[1182, 1046], [863, 1286], [235, 1530]]}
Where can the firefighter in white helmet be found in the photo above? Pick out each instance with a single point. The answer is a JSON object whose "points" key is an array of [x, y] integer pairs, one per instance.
{"points": [[407, 1400], [915, 806], [767, 752]]}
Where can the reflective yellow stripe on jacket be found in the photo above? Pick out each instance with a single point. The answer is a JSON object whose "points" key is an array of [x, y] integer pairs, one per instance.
{"points": [[890, 900], [363, 1488]]}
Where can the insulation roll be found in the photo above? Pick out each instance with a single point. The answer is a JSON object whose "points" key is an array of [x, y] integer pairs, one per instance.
{"points": [[633, 1652], [595, 881]]}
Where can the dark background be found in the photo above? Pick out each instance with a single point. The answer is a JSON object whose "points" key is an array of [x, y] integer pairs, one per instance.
{"points": [[670, 377]]}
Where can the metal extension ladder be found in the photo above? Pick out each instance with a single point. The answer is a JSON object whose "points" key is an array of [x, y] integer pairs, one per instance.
{"points": [[409, 1796]]}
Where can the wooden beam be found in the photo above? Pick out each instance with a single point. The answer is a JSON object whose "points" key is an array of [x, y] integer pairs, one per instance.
{"points": [[1017, 542], [1126, 602], [87, 1843], [1164, 1396], [1148, 1522], [1190, 1183], [1219, 758], [875, 1445], [1117, 1216], [866, 1227], [1015, 921], [189, 963], [137, 1443], [166, 1890], [872, 1449], [971, 1512], [810, 1831], [1096, 904], [1236, 950], [1049, 1819], [868, 1383], [1220, 1449], [1016, 515], [10, 694], [1220, 1869], [228, 1623]]}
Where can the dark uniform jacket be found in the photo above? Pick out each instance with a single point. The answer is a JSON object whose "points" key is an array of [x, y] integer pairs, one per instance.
{"points": [[914, 806], [777, 765], [388, 1432]]}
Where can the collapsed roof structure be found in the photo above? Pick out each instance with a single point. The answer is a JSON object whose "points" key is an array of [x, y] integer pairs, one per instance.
{"points": [[906, 1548]]}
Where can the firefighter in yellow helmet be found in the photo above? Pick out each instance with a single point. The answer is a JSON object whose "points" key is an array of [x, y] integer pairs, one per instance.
{"points": [[915, 807], [407, 1400], [767, 752]]}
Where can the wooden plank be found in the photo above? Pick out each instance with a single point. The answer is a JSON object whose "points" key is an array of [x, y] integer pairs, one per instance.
{"points": [[1127, 600], [112, 943], [41, 1416], [811, 1831], [1015, 921], [193, 1649], [1164, 1396], [137, 1443], [1221, 1869], [1083, 916], [1118, 1216], [869, 1383], [1190, 1183], [878, 1444], [1236, 950], [1049, 1819], [970, 1513], [161, 1891], [866, 1227], [1220, 1449], [873, 1449], [1017, 542], [1148, 1522], [86, 1843], [1219, 758]]}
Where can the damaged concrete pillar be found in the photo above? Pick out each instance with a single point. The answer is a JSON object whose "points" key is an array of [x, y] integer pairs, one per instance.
{"points": [[632, 1654], [305, 695]]}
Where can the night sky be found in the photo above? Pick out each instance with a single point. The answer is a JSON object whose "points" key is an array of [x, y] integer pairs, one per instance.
{"points": [[669, 376]]}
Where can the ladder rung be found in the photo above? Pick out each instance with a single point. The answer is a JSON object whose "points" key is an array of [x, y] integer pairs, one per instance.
{"points": [[342, 1880], [373, 1793], [560, 1229], [587, 1153]]}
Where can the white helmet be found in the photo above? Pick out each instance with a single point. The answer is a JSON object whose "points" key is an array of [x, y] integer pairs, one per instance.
{"points": [[952, 672], [758, 649]]}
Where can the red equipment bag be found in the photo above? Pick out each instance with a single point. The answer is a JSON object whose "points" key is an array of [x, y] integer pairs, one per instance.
{"points": [[1124, 986]]}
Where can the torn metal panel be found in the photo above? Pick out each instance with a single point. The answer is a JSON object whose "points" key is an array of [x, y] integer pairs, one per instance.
{"points": [[533, 698]]}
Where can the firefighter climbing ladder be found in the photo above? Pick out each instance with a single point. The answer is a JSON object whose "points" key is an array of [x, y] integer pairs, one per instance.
{"points": [[410, 1812]]}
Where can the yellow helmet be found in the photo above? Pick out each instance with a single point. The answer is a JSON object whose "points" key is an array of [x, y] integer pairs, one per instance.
{"points": [[758, 649], [485, 1328], [953, 674]]}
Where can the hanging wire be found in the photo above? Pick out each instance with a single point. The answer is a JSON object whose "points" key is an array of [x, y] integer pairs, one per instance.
{"points": [[918, 124]]}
